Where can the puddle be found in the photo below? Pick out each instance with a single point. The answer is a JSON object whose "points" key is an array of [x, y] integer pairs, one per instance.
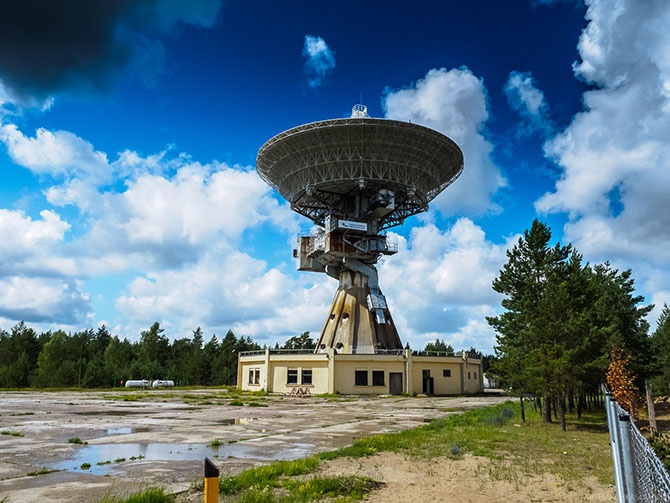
{"points": [[125, 412], [127, 430], [108, 453], [239, 420]]}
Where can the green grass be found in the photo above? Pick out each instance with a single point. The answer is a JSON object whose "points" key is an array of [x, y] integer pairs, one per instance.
{"points": [[41, 471], [267, 476], [257, 404], [497, 433], [215, 443], [519, 450], [317, 488], [11, 433], [153, 495]]}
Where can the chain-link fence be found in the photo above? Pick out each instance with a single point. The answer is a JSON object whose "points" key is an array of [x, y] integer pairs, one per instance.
{"points": [[639, 475]]}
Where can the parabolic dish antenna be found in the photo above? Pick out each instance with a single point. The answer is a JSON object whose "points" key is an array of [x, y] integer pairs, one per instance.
{"points": [[353, 178]]}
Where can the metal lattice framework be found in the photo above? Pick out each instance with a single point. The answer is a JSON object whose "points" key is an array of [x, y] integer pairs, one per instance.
{"points": [[318, 166]]}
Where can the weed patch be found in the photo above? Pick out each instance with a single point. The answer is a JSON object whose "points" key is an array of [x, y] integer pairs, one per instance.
{"points": [[267, 476], [153, 495], [11, 433], [42, 471]]}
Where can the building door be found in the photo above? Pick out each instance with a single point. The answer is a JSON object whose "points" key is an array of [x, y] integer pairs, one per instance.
{"points": [[428, 382], [395, 383]]}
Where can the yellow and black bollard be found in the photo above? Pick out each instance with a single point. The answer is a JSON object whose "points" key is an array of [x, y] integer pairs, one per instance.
{"points": [[211, 482]]}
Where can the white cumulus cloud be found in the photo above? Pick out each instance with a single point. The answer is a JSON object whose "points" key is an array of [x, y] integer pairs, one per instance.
{"points": [[439, 285], [60, 154], [319, 60], [528, 101], [454, 102], [38, 280], [615, 155]]}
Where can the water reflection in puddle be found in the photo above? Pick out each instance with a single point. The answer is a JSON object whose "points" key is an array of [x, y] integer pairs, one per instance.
{"points": [[124, 412], [111, 455], [127, 430]]}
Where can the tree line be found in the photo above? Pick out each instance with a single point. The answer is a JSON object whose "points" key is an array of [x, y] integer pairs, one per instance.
{"points": [[98, 359], [566, 322]]}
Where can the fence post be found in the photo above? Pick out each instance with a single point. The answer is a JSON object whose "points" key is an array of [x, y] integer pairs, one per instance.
{"points": [[627, 459], [650, 407], [614, 442], [211, 482]]}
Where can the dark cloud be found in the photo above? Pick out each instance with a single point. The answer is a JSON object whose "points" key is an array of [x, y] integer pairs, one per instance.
{"points": [[53, 45]]}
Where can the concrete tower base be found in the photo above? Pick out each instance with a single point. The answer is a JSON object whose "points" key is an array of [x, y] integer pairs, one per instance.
{"points": [[359, 320]]}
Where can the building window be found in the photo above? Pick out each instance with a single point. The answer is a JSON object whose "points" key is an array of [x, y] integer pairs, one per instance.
{"points": [[254, 376], [307, 376], [292, 376], [468, 375], [446, 373], [378, 378], [361, 377], [475, 375]]}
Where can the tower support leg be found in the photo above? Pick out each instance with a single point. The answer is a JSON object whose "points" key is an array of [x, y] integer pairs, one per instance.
{"points": [[359, 320]]}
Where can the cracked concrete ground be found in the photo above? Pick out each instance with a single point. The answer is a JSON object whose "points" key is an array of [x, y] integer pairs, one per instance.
{"points": [[135, 440]]}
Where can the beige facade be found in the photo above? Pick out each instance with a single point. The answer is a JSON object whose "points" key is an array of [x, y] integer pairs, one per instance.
{"points": [[278, 371]]}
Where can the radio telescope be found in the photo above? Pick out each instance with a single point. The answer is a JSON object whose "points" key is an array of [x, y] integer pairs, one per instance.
{"points": [[354, 178]]}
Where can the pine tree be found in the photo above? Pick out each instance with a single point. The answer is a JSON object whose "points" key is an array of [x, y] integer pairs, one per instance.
{"points": [[524, 341], [660, 343]]}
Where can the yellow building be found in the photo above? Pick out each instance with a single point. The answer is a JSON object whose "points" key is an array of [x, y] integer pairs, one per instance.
{"points": [[395, 373]]}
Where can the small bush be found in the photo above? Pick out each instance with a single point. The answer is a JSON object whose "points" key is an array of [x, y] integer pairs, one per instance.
{"points": [[85, 466], [456, 451], [660, 442], [74, 440]]}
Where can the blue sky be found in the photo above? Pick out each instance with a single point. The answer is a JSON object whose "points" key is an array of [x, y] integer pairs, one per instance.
{"points": [[129, 131]]}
